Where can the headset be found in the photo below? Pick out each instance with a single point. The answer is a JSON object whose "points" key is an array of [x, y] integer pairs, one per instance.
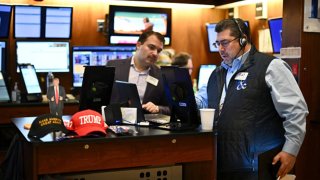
{"points": [[242, 39]]}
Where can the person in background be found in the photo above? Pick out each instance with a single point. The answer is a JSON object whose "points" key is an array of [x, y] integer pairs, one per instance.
{"points": [[183, 59], [141, 70], [165, 57], [148, 26], [259, 106], [56, 95]]}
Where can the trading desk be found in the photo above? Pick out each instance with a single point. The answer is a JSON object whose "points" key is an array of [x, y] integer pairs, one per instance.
{"points": [[12, 110], [149, 147]]}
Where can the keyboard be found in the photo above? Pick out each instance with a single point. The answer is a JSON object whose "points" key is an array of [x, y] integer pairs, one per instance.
{"points": [[177, 126], [157, 118]]}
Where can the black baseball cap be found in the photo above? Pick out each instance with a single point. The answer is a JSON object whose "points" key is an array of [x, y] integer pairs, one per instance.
{"points": [[45, 124]]}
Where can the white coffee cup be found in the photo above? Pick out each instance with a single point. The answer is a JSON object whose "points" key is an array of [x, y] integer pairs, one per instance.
{"points": [[129, 115], [207, 118]]}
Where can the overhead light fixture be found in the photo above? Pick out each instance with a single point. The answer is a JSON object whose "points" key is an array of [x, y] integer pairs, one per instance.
{"points": [[158, 4], [239, 3]]}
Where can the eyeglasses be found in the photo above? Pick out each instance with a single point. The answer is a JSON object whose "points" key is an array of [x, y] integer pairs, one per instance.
{"points": [[223, 43]]}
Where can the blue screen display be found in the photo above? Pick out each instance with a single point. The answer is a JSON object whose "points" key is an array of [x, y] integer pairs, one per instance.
{"points": [[2, 54], [275, 26], [5, 14], [96, 56]]}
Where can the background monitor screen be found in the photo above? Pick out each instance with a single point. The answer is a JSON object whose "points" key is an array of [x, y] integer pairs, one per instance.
{"points": [[46, 56], [58, 22], [4, 95], [30, 79], [96, 56], [97, 87], [42, 22], [275, 26], [5, 16], [212, 35], [180, 95], [127, 23], [204, 74], [3, 51], [27, 22]]}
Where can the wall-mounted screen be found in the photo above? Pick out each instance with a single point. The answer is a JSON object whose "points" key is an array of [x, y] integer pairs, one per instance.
{"points": [[204, 74], [5, 16], [96, 56], [46, 56], [3, 52], [127, 23], [275, 26], [58, 22], [42, 22], [212, 35], [27, 22]]}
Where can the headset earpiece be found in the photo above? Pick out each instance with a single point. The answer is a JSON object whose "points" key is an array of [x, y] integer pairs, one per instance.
{"points": [[242, 39]]}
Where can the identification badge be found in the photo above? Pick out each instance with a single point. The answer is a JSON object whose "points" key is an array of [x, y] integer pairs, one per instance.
{"points": [[152, 80], [241, 76]]}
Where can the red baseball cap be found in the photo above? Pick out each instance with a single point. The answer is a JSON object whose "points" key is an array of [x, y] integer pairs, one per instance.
{"points": [[87, 122]]}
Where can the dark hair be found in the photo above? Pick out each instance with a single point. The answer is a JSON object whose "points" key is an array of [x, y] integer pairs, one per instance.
{"points": [[147, 19], [234, 27], [144, 36], [181, 59]]}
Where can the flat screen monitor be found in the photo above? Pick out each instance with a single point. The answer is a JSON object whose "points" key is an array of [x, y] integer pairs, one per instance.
{"points": [[58, 22], [126, 95], [212, 35], [96, 56], [5, 16], [27, 21], [204, 74], [180, 95], [3, 53], [96, 87], [46, 56], [127, 23], [42, 22], [4, 95], [30, 79], [275, 26]]}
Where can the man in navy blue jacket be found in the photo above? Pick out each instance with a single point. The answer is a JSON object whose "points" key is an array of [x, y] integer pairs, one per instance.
{"points": [[259, 106]]}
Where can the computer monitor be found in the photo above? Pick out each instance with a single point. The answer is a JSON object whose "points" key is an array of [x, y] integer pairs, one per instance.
{"points": [[31, 82], [42, 22], [58, 23], [126, 95], [96, 56], [126, 23], [46, 56], [180, 95], [3, 54], [96, 87], [275, 26], [27, 21], [5, 16], [4, 95], [204, 74]]}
